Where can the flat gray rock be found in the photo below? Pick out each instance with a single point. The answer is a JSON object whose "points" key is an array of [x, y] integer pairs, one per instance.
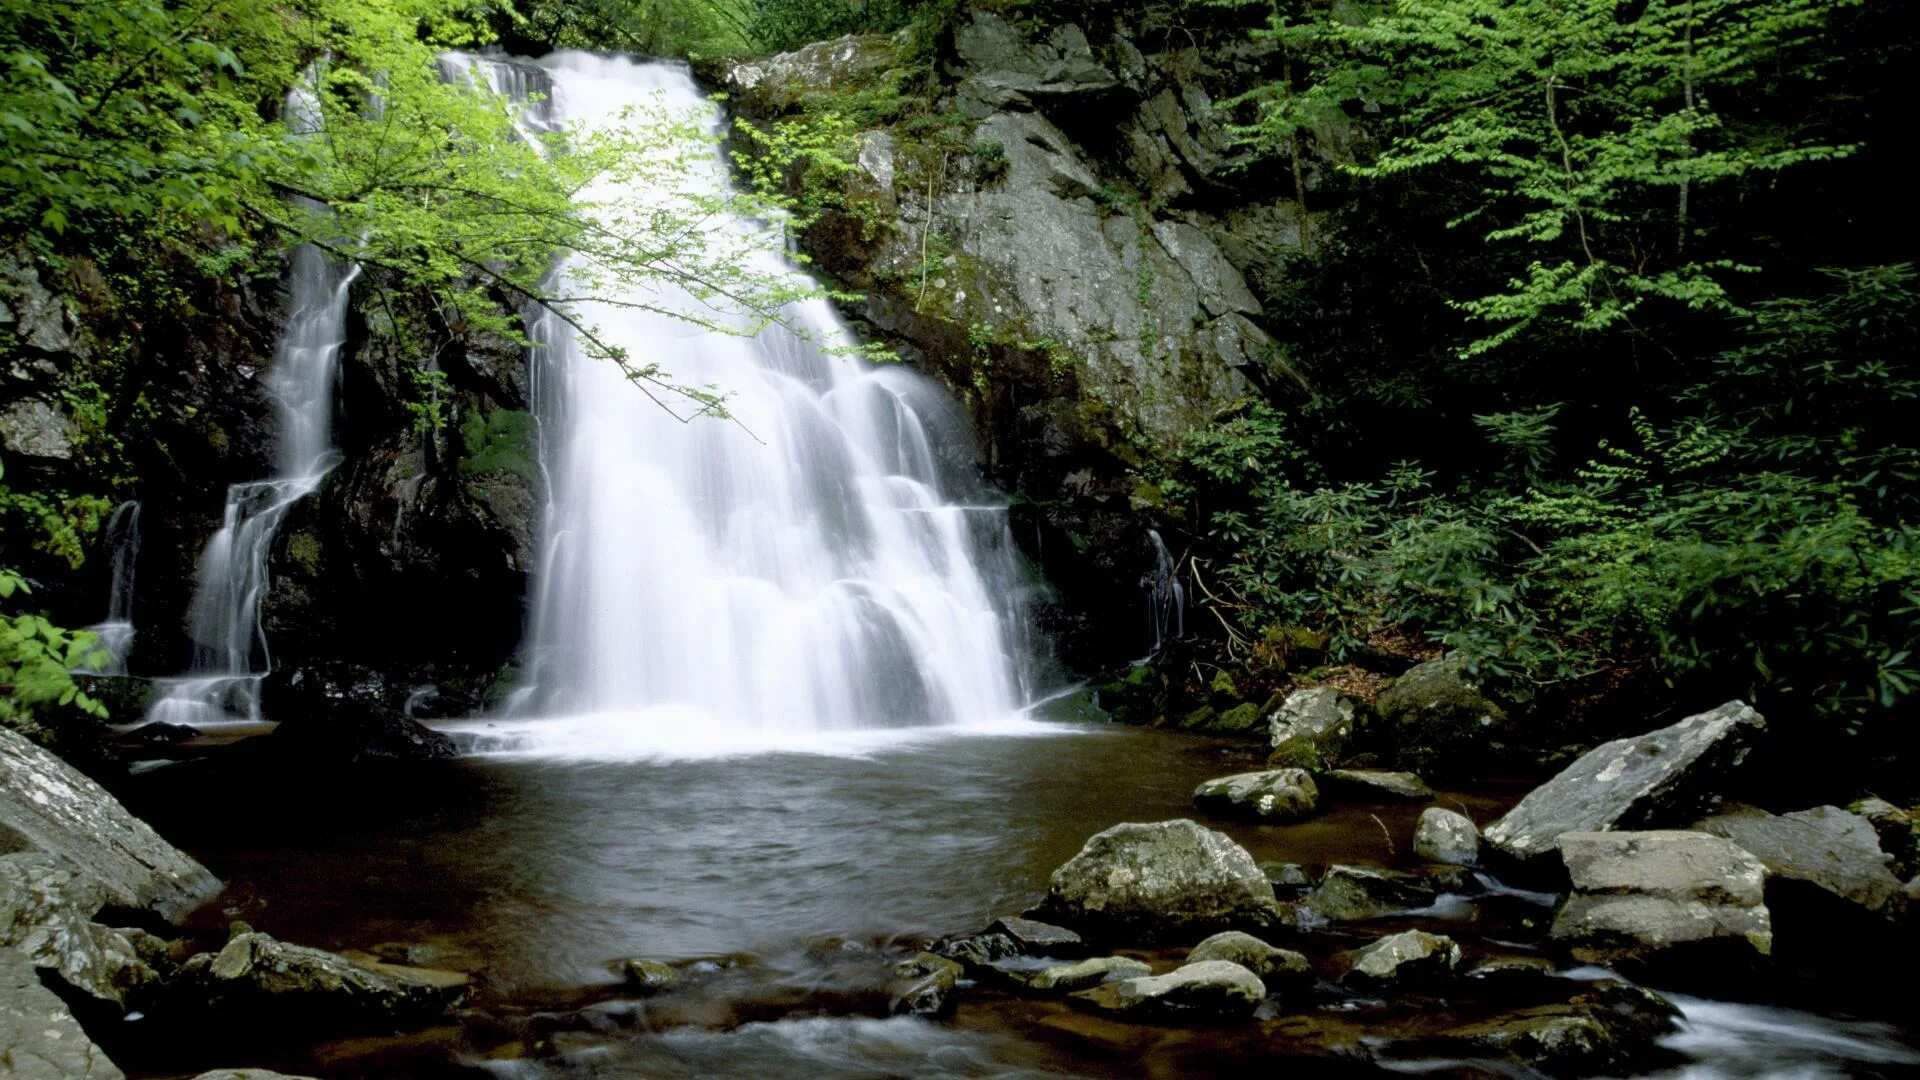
{"points": [[1825, 847], [1407, 957], [1310, 729], [1444, 836], [1375, 785], [1208, 990], [49, 806], [1662, 778], [1662, 898]]}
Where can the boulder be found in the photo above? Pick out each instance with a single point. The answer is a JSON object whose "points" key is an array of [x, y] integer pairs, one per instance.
{"points": [[1159, 881], [1409, 957], [1209, 990], [1375, 785], [47, 805], [259, 979], [648, 977], [1825, 849], [1663, 778], [1444, 836], [247, 1074], [1438, 718], [1274, 795], [1611, 1030], [1662, 899], [39, 1038], [1349, 893], [922, 985], [46, 912], [1279, 969], [354, 737], [1035, 938], [1311, 729], [1088, 973]]}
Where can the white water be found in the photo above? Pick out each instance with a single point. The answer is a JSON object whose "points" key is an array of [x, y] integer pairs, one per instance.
{"points": [[115, 632], [824, 566], [230, 652]]}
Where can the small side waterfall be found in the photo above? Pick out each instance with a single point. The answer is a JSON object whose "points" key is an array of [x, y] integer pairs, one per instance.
{"points": [[116, 630], [230, 653], [829, 563], [1166, 596]]}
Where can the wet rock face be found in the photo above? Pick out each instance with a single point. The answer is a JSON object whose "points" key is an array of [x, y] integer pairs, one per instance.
{"points": [[922, 985], [1311, 729], [1825, 849], [1664, 777], [1375, 785], [1206, 990], [1663, 901], [1273, 795], [49, 806], [1163, 881]]}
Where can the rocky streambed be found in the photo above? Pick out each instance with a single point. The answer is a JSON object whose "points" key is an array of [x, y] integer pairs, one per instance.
{"points": [[1048, 902]]}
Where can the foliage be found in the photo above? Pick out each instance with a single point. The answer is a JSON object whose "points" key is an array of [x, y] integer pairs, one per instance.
{"points": [[702, 28], [36, 661], [500, 441], [1590, 129]]}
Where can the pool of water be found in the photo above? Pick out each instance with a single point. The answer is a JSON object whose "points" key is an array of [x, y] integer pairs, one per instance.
{"points": [[792, 874]]}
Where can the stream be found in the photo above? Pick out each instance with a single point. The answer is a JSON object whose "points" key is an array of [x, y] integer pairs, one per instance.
{"points": [[790, 878]]}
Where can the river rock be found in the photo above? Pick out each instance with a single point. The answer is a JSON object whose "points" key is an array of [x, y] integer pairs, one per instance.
{"points": [[47, 805], [1286, 877], [356, 737], [1412, 956], [1438, 718], [1035, 938], [648, 977], [1159, 881], [922, 985], [1662, 899], [46, 912], [1274, 795], [1663, 778], [1088, 973], [1375, 785], [257, 978], [1209, 990], [1825, 848], [39, 1038], [1350, 893], [1310, 729], [248, 1074], [1610, 1030], [1278, 968], [978, 950], [1444, 836]]}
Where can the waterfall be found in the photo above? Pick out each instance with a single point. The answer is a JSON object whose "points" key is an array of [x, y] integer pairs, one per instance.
{"points": [[1166, 596], [826, 562], [116, 630], [230, 653]]}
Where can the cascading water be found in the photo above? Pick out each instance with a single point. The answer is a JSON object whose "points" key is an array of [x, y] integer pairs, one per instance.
{"points": [[230, 653], [116, 630], [824, 564], [1166, 596]]}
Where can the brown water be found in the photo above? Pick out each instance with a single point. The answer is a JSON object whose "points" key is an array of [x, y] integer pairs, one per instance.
{"points": [[797, 877]]}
